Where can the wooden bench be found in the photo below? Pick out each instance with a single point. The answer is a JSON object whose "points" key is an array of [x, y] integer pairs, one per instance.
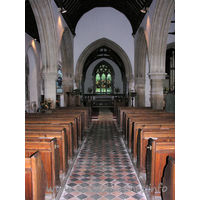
{"points": [[138, 111], [127, 128], [50, 158], [76, 120], [143, 137], [56, 127], [35, 177], [80, 120], [144, 124], [87, 113], [65, 122], [157, 153], [62, 141], [169, 180], [121, 111]]}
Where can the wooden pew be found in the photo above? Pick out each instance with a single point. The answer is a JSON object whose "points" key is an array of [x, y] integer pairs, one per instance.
{"points": [[62, 141], [87, 113], [50, 158], [56, 127], [61, 121], [127, 128], [80, 120], [168, 191], [138, 111], [121, 111], [35, 177], [76, 120], [157, 153], [143, 137], [144, 124]]}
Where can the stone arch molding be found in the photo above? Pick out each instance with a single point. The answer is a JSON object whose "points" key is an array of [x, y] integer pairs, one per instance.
{"points": [[141, 51], [163, 13], [93, 46], [159, 33], [66, 48], [48, 34]]}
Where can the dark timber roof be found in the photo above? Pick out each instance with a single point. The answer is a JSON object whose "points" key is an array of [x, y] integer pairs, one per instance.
{"points": [[77, 8]]}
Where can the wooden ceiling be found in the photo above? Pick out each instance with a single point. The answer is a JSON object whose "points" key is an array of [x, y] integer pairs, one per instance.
{"points": [[30, 23], [77, 8]]}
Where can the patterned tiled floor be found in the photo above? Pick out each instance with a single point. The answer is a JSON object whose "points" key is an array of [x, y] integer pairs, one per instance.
{"points": [[103, 169]]}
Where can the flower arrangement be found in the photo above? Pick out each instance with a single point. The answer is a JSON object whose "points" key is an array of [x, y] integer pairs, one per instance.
{"points": [[47, 104]]}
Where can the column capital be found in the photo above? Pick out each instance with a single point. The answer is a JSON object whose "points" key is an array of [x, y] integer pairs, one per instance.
{"points": [[157, 75]]}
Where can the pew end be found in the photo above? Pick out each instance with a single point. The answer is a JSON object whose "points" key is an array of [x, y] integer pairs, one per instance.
{"points": [[35, 177]]}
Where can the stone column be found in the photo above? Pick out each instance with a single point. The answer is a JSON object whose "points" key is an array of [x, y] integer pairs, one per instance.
{"points": [[157, 90], [67, 87], [140, 90], [50, 87]]}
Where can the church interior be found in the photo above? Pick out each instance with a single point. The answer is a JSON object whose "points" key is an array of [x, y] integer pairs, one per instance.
{"points": [[97, 119]]}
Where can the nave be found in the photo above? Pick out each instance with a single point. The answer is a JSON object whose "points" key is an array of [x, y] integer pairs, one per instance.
{"points": [[103, 169]]}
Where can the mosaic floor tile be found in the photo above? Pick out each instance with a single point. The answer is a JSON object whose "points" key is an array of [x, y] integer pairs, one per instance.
{"points": [[103, 169]]}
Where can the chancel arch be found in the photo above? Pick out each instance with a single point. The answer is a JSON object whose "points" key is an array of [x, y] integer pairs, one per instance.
{"points": [[107, 47]]}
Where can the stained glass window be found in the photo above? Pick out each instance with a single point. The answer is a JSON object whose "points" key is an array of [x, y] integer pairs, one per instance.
{"points": [[103, 78], [59, 85]]}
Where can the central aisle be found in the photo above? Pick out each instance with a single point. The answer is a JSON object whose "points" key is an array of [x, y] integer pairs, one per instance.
{"points": [[103, 169]]}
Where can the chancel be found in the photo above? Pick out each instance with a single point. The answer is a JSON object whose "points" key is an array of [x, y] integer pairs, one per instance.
{"points": [[97, 74]]}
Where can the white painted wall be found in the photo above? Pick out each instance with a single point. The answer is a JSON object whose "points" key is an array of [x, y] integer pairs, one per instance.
{"points": [[89, 77], [104, 22]]}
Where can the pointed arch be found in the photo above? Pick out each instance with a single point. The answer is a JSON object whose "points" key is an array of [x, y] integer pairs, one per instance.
{"points": [[66, 48], [159, 32], [140, 68], [48, 34], [92, 47]]}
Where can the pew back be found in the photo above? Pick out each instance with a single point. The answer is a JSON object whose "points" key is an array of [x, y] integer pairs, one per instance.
{"points": [[35, 177], [50, 158]]}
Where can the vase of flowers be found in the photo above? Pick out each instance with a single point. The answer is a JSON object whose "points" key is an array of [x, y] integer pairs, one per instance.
{"points": [[47, 104]]}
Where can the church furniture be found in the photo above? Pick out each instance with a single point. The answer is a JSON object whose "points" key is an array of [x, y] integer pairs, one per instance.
{"points": [[50, 158], [55, 127], [35, 177], [64, 123], [157, 153], [62, 141], [169, 180], [128, 118], [128, 109], [119, 102], [86, 110], [143, 136], [162, 124]]}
